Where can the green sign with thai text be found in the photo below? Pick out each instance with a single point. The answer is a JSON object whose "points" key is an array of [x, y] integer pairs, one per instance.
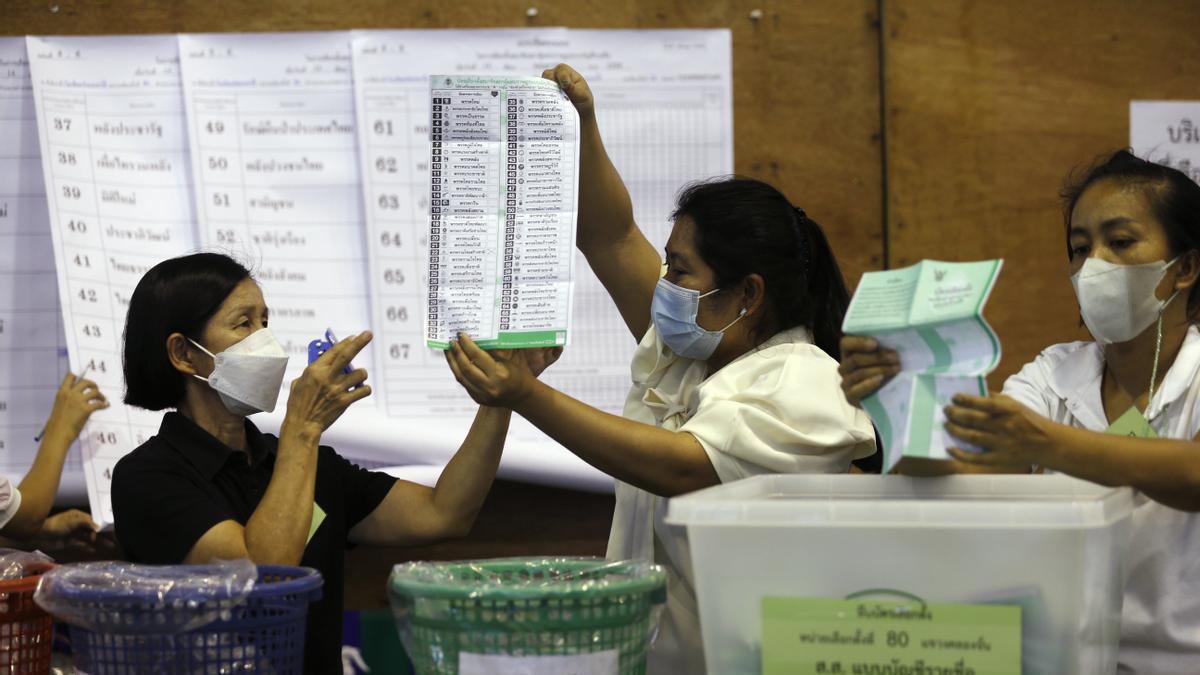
{"points": [[870, 637]]}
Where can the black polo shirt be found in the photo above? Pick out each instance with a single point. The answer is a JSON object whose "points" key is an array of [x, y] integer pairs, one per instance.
{"points": [[176, 486]]}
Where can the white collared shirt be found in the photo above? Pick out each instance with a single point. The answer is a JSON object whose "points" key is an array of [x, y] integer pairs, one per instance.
{"points": [[776, 409], [1160, 619]]}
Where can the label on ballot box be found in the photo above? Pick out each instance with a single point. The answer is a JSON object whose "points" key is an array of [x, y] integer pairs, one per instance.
{"points": [[931, 314], [823, 635], [600, 663]]}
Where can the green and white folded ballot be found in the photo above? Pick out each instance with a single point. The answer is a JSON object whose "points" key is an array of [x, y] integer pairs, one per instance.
{"points": [[932, 314]]}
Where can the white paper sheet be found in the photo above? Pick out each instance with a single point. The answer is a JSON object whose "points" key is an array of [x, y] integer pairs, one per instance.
{"points": [[504, 166], [1167, 132], [115, 162], [664, 102], [275, 159], [600, 663], [33, 353]]}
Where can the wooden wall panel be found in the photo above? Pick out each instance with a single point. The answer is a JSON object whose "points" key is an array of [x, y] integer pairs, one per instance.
{"points": [[989, 106]]}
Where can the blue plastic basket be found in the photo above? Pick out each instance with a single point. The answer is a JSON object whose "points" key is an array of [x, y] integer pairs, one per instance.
{"points": [[263, 633]]}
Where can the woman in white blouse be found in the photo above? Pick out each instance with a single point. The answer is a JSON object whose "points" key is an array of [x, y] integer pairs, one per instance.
{"points": [[735, 373], [1123, 410]]}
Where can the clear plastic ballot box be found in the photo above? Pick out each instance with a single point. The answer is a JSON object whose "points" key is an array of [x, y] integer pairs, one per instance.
{"points": [[1049, 544]]}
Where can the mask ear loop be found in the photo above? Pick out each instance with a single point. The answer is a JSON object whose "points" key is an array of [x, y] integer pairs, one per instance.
{"points": [[201, 348], [739, 318], [741, 313]]}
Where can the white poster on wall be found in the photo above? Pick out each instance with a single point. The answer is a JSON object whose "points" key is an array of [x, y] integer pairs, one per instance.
{"points": [[1167, 132]]}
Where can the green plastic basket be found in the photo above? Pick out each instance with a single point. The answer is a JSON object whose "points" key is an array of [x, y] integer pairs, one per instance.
{"points": [[526, 607]]}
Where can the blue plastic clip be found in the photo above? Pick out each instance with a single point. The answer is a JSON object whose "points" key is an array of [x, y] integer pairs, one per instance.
{"points": [[318, 347]]}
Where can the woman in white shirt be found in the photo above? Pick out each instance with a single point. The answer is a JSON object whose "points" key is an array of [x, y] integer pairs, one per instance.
{"points": [[1123, 410], [735, 373]]}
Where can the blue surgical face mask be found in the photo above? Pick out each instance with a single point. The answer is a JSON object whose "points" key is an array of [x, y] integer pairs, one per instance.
{"points": [[673, 312]]}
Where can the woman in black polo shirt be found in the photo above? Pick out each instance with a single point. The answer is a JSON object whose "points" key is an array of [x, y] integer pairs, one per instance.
{"points": [[210, 486]]}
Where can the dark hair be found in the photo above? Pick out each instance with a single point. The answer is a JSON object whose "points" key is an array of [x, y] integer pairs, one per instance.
{"points": [[1172, 196], [745, 226], [178, 295]]}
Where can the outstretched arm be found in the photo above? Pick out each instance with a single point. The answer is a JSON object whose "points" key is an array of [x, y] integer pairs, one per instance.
{"points": [[617, 251]]}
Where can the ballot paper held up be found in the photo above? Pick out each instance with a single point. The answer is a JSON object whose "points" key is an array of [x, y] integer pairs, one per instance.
{"points": [[504, 177], [932, 314]]}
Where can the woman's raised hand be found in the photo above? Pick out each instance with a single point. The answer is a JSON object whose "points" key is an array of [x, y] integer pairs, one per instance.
{"points": [[501, 378], [574, 86], [323, 392], [865, 367]]}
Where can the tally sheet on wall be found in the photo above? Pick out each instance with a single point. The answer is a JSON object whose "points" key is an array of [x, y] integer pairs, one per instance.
{"points": [[275, 166], [115, 160], [33, 353]]}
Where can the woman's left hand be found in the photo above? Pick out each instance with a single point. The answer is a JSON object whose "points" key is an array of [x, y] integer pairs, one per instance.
{"points": [[536, 359], [72, 535], [499, 378], [70, 523], [75, 402], [1010, 433]]}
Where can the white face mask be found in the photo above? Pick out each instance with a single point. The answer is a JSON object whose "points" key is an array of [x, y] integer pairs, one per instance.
{"points": [[249, 374], [1118, 302]]}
